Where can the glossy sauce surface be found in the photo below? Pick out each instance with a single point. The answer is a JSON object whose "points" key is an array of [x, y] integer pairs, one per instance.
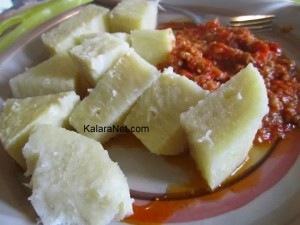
{"points": [[264, 167], [160, 210]]}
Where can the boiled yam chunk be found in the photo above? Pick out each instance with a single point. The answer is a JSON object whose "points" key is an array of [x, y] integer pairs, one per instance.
{"points": [[19, 116], [131, 15], [92, 19], [153, 45], [57, 74], [122, 36], [222, 127], [109, 102], [73, 179], [159, 109], [96, 54]]}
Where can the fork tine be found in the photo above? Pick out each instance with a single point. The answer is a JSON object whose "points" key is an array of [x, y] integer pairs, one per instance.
{"points": [[261, 22], [254, 27], [254, 22], [249, 18]]}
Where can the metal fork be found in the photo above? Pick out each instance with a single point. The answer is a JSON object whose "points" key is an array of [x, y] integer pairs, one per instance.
{"points": [[251, 22]]}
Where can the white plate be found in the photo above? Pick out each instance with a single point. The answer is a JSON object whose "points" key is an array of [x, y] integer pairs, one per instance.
{"points": [[268, 195]]}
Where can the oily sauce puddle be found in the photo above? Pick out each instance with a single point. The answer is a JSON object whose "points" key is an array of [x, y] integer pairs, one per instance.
{"points": [[182, 196], [264, 167], [197, 186]]}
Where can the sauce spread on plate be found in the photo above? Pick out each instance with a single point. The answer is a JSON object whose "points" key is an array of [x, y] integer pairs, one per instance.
{"points": [[211, 54], [238, 194]]}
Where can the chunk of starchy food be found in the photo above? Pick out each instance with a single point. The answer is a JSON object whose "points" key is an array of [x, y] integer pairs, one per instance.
{"points": [[91, 19], [73, 179], [221, 128], [159, 110], [109, 102], [133, 15], [96, 54], [57, 74], [153, 45], [123, 36], [19, 116]]}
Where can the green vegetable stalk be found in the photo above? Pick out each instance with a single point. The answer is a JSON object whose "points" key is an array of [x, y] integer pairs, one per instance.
{"points": [[32, 17]]}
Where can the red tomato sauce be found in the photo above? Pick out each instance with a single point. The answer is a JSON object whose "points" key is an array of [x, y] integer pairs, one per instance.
{"points": [[211, 54]]}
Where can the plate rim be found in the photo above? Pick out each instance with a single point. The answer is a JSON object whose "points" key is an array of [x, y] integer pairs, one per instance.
{"points": [[13, 49]]}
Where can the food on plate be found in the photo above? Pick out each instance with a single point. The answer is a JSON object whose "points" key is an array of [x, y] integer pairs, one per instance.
{"points": [[221, 128], [19, 116], [210, 54], [57, 74], [116, 92], [159, 109], [122, 36], [131, 15], [153, 45], [91, 19], [96, 54], [73, 179]]}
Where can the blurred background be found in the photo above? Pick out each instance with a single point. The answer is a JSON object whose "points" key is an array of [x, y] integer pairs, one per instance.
{"points": [[15, 4], [8, 4]]}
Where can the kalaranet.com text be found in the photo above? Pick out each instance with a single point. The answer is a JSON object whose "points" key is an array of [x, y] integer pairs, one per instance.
{"points": [[114, 128]]}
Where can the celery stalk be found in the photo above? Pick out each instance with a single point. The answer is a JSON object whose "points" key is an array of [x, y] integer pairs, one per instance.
{"points": [[8, 23], [32, 17]]}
